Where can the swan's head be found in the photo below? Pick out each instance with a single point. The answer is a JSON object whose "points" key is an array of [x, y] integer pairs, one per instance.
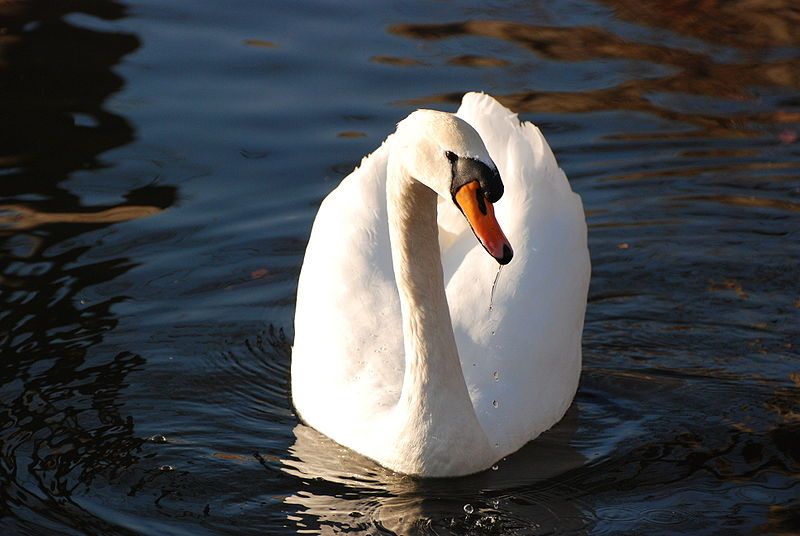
{"points": [[446, 154]]}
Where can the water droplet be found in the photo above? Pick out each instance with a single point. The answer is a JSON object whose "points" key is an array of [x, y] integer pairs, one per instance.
{"points": [[491, 295], [495, 403], [166, 468], [158, 438], [495, 467], [496, 376], [468, 508]]}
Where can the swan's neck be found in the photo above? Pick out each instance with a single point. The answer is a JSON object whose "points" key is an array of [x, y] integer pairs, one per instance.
{"points": [[430, 349], [434, 402]]}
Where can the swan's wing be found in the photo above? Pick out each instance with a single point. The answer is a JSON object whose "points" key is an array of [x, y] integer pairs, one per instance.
{"points": [[348, 352], [522, 357]]}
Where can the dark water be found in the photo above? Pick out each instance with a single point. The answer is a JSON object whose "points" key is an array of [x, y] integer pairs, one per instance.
{"points": [[160, 166]]}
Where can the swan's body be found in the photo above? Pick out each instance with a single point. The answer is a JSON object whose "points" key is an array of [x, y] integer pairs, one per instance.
{"points": [[398, 354]]}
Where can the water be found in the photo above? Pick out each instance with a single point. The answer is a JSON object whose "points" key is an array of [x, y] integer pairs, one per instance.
{"points": [[161, 163]]}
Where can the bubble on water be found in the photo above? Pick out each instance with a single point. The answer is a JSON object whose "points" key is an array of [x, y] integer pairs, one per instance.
{"points": [[487, 521], [496, 376], [166, 468], [468, 508], [158, 438], [495, 467], [495, 503], [495, 403]]}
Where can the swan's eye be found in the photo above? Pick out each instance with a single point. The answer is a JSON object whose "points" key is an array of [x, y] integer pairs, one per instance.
{"points": [[451, 156], [468, 169]]}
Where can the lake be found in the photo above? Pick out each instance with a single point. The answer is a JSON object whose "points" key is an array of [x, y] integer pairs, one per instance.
{"points": [[161, 163]]}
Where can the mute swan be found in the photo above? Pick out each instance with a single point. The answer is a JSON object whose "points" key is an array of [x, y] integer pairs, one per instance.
{"points": [[404, 351]]}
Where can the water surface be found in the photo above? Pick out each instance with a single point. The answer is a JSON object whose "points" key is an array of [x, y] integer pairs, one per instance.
{"points": [[161, 163]]}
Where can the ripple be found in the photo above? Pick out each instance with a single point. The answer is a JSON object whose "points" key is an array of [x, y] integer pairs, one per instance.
{"points": [[750, 202], [616, 513], [660, 516], [754, 494]]}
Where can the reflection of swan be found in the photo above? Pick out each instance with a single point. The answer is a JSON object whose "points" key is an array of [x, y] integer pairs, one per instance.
{"points": [[346, 490], [381, 364], [351, 493]]}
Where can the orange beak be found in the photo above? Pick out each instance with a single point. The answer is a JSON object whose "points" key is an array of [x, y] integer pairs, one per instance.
{"points": [[480, 215]]}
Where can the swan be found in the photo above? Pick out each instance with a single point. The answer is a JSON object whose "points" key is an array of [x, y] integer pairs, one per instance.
{"points": [[413, 346]]}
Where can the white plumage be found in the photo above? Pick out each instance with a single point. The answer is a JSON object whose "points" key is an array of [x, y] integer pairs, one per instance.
{"points": [[354, 367]]}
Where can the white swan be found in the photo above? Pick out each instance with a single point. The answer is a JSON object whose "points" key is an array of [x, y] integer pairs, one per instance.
{"points": [[380, 363]]}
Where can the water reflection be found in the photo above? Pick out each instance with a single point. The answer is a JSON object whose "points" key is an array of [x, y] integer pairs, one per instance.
{"points": [[346, 491], [56, 76], [737, 468], [21, 217], [673, 96], [63, 426], [746, 24]]}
